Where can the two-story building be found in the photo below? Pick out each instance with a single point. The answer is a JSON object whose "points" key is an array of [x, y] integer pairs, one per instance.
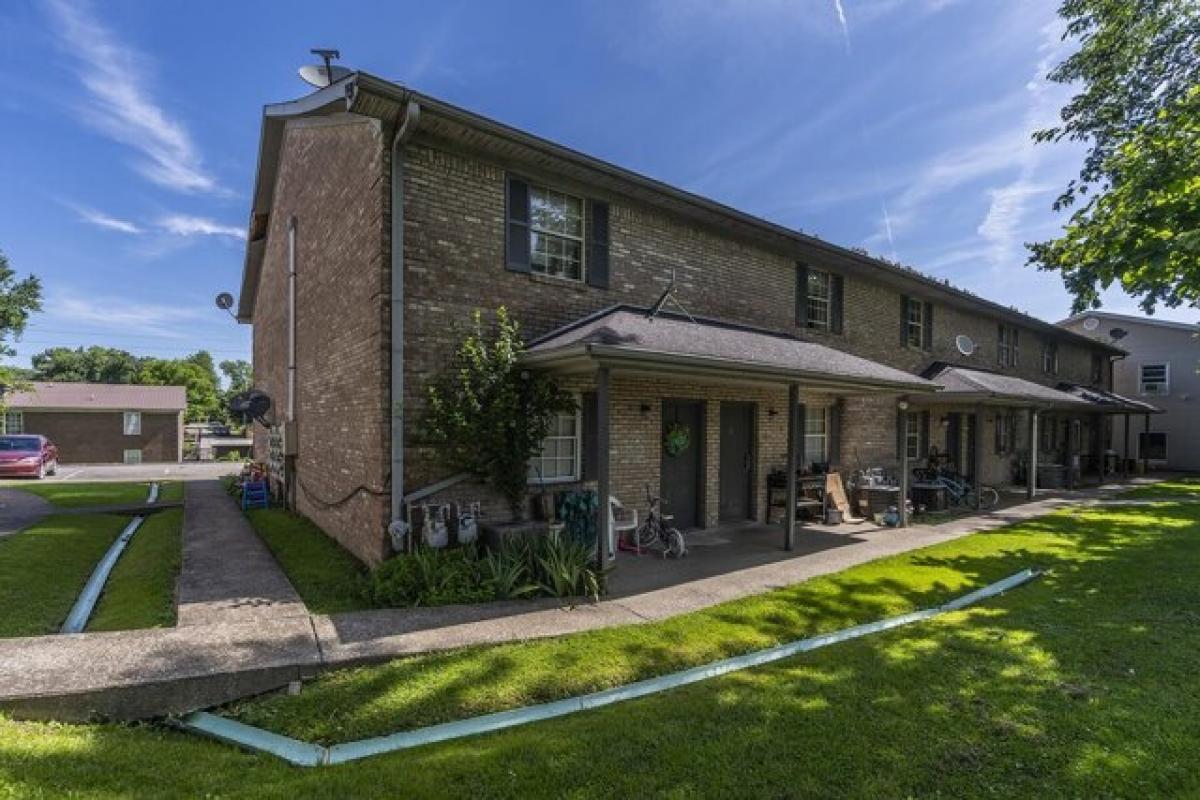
{"points": [[382, 218]]}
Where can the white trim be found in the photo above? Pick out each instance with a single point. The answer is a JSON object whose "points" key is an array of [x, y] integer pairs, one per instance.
{"points": [[1166, 381], [581, 239], [537, 480]]}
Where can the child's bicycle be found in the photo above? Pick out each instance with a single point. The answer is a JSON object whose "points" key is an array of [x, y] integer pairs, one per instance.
{"points": [[653, 532]]}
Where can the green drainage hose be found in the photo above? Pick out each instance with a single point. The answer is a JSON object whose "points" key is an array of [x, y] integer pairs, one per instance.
{"points": [[304, 754]]}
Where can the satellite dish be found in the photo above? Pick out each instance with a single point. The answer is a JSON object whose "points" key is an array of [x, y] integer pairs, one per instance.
{"points": [[1091, 323], [965, 344], [320, 76], [224, 301], [251, 404]]}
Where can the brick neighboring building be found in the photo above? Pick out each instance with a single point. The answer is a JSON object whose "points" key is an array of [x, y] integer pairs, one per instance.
{"points": [[376, 205], [102, 423]]}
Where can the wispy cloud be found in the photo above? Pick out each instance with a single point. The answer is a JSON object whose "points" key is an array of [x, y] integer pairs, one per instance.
{"points": [[118, 314], [187, 225], [121, 106], [101, 220], [841, 15]]}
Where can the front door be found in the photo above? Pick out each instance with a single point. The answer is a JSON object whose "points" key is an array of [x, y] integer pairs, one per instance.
{"points": [[682, 461], [737, 460]]}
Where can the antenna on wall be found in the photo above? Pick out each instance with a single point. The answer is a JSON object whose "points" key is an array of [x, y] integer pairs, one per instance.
{"points": [[668, 296], [319, 75]]}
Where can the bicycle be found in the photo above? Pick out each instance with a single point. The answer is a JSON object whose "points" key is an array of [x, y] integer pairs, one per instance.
{"points": [[654, 531], [959, 490]]}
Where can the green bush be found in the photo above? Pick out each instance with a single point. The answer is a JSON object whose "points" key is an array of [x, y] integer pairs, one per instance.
{"points": [[549, 566]]}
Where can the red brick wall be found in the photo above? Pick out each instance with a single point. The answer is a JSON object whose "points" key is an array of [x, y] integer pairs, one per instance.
{"points": [[98, 437]]}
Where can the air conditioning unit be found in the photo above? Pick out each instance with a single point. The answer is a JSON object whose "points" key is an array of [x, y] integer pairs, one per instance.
{"points": [[1153, 388]]}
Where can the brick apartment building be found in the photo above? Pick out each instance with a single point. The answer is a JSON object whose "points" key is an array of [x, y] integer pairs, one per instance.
{"points": [[378, 209], [102, 423]]}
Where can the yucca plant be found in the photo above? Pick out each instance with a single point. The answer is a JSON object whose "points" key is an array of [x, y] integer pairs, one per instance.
{"points": [[506, 571], [565, 568]]}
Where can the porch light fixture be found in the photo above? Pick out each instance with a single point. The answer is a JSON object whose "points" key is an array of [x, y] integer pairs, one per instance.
{"points": [[644, 408], [902, 405]]}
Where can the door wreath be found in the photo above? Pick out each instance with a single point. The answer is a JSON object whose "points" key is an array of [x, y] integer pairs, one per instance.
{"points": [[677, 440]]}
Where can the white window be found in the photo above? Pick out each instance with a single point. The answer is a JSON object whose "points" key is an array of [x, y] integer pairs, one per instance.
{"points": [[1156, 379], [133, 456], [816, 435], [1050, 358], [819, 300], [14, 422], [133, 423], [912, 435], [559, 459], [556, 233], [914, 323]]}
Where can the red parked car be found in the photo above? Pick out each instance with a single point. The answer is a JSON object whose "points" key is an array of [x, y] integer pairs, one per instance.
{"points": [[27, 456]]}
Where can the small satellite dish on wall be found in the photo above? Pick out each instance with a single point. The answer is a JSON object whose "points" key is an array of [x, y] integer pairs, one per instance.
{"points": [[1091, 323], [224, 301], [317, 75], [965, 344]]}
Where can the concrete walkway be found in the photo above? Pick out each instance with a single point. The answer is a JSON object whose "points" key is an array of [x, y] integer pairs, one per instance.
{"points": [[228, 575], [19, 510], [246, 632]]}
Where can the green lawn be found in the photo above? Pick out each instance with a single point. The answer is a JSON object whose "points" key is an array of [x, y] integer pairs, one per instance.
{"points": [[1081, 684], [1179, 487], [85, 494], [141, 589], [43, 569], [325, 575]]}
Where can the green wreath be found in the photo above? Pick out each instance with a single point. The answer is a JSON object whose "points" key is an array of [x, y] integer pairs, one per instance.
{"points": [[677, 440]]}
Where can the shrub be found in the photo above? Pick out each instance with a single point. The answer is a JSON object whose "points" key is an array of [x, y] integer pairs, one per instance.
{"points": [[428, 577]]}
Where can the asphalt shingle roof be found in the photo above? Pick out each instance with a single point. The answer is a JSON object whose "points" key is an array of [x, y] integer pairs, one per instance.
{"points": [[99, 397], [975, 382]]}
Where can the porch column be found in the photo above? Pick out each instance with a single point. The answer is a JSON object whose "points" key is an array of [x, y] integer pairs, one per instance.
{"points": [[979, 440], [793, 462], [603, 472], [1031, 478], [902, 504], [1145, 458], [1125, 452]]}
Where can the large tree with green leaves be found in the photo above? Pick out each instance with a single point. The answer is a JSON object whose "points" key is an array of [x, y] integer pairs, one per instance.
{"points": [[91, 365], [18, 299], [197, 374], [1136, 217]]}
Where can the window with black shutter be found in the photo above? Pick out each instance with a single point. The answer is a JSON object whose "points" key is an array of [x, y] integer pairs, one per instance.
{"points": [[555, 233]]}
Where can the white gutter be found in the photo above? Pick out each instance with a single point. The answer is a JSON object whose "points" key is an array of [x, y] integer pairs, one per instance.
{"points": [[408, 126]]}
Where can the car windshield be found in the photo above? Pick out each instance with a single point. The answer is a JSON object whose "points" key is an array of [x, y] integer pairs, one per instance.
{"points": [[20, 443]]}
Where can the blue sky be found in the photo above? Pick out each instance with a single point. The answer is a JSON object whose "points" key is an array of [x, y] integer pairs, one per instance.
{"points": [[128, 130]]}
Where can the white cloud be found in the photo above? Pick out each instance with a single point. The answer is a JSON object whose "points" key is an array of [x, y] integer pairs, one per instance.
{"points": [[120, 105], [118, 314], [186, 225], [841, 15], [101, 220]]}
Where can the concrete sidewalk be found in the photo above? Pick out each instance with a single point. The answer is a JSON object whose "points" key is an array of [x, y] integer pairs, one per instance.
{"points": [[19, 510], [243, 638], [228, 576]]}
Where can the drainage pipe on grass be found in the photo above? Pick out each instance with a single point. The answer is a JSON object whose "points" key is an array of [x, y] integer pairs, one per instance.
{"points": [[82, 610], [305, 754]]}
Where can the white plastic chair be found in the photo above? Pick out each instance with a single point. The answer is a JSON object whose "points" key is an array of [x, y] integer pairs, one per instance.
{"points": [[630, 523]]}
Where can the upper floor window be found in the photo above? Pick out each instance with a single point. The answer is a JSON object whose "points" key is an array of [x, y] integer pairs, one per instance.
{"points": [[1007, 346], [1098, 369], [133, 423], [916, 323], [1050, 358], [818, 299], [555, 233], [14, 422], [1155, 379]]}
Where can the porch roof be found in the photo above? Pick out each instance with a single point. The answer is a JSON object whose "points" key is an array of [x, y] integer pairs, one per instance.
{"points": [[965, 385], [625, 336], [1110, 402]]}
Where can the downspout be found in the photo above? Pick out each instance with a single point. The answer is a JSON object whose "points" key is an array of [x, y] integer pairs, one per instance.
{"points": [[398, 528], [291, 305]]}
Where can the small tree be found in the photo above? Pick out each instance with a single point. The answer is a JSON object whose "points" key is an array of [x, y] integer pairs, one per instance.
{"points": [[18, 299], [487, 414]]}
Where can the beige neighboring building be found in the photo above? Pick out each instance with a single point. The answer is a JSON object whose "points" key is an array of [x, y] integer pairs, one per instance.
{"points": [[1161, 368], [102, 423]]}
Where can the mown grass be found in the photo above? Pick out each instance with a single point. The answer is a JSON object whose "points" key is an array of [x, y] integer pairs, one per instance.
{"points": [[99, 493], [1082, 684], [326, 576], [1177, 487], [43, 569], [140, 592]]}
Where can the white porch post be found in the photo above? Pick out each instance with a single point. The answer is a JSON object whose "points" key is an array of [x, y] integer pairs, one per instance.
{"points": [[603, 473], [793, 458], [1031, 478]]}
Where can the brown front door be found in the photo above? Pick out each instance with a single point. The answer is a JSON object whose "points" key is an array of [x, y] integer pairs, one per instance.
{"points": [[737, 460], [682, 468]]}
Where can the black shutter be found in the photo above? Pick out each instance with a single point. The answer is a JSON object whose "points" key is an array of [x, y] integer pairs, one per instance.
{"points": [[924, 443], [903, 319], [516, 228], [928, 339], [835, 434], [801, 413], [802, 295], [836, 294], [597, 253], [591, 458]]}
